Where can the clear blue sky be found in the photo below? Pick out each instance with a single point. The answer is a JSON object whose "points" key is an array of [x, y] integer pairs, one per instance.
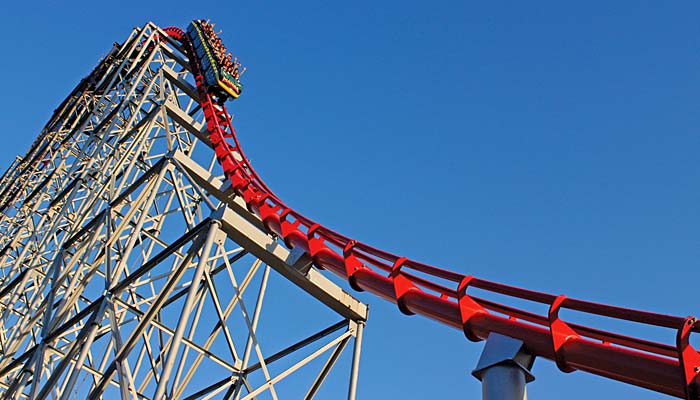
{"points": [[543, 145]]}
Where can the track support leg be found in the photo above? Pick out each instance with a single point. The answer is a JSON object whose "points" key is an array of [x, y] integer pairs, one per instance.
{"points": [[504, 369], [352, 392]]}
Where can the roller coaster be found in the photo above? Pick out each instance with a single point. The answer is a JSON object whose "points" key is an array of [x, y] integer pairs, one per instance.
{"points": [[412, 286]]}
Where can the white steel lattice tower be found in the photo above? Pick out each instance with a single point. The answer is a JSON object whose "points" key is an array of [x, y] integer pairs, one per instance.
{"points": [[129, 270]]}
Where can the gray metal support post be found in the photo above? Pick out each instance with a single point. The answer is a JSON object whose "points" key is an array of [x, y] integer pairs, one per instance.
{"points": [[352, 393], [504, 369], [186, 310]]}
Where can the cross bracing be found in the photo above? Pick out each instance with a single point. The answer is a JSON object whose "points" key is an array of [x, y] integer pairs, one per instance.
{"points": [[128, 269]]}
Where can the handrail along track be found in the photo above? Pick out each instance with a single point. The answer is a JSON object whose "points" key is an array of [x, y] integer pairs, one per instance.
{"points": [[669, 369]]}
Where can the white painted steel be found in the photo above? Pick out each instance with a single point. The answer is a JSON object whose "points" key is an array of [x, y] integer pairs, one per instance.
{"points": [[127, 269]]}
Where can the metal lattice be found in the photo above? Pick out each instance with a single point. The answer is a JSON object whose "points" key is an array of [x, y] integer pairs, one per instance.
{"points": [[129, 270]]}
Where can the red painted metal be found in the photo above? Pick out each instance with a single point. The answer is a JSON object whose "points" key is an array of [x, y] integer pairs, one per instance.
{"points": [[560, 332], [669, 369], [468, 308], [689, 358]]}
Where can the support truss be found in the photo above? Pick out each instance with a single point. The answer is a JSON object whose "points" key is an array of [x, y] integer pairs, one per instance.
{"points": [[128, 270]]}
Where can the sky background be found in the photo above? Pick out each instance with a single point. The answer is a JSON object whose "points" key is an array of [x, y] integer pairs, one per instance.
{"points": [[549, 146]]}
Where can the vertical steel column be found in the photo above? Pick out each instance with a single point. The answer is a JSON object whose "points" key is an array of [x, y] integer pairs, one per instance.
{"points": [[186, 310], [352, 392], [504, 369]]}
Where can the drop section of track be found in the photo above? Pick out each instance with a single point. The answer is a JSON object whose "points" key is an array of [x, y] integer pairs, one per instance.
{"points": [[436, 293]]}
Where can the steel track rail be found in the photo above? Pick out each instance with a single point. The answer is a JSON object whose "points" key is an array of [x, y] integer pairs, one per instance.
{"points": [[413, 287]]}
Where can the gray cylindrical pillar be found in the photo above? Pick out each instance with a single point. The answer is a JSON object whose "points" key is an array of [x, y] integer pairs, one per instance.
{"points": [[503, 382], [504, 368]]}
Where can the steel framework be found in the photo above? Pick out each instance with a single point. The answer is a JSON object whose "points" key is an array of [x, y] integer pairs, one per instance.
{"points": [[127, 268], [125, 260]]}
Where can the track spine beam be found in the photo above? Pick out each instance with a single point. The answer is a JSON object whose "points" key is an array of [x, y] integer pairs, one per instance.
{"points": [[656, 366]]}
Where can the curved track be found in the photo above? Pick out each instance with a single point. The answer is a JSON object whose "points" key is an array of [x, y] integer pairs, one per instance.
{"points": [[417, 288]]}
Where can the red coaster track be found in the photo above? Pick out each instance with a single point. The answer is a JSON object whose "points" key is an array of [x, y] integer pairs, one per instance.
{"points": [[413, 287]]}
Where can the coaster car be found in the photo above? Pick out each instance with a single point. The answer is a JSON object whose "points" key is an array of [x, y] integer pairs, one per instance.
{"points": [[218, 79]]}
